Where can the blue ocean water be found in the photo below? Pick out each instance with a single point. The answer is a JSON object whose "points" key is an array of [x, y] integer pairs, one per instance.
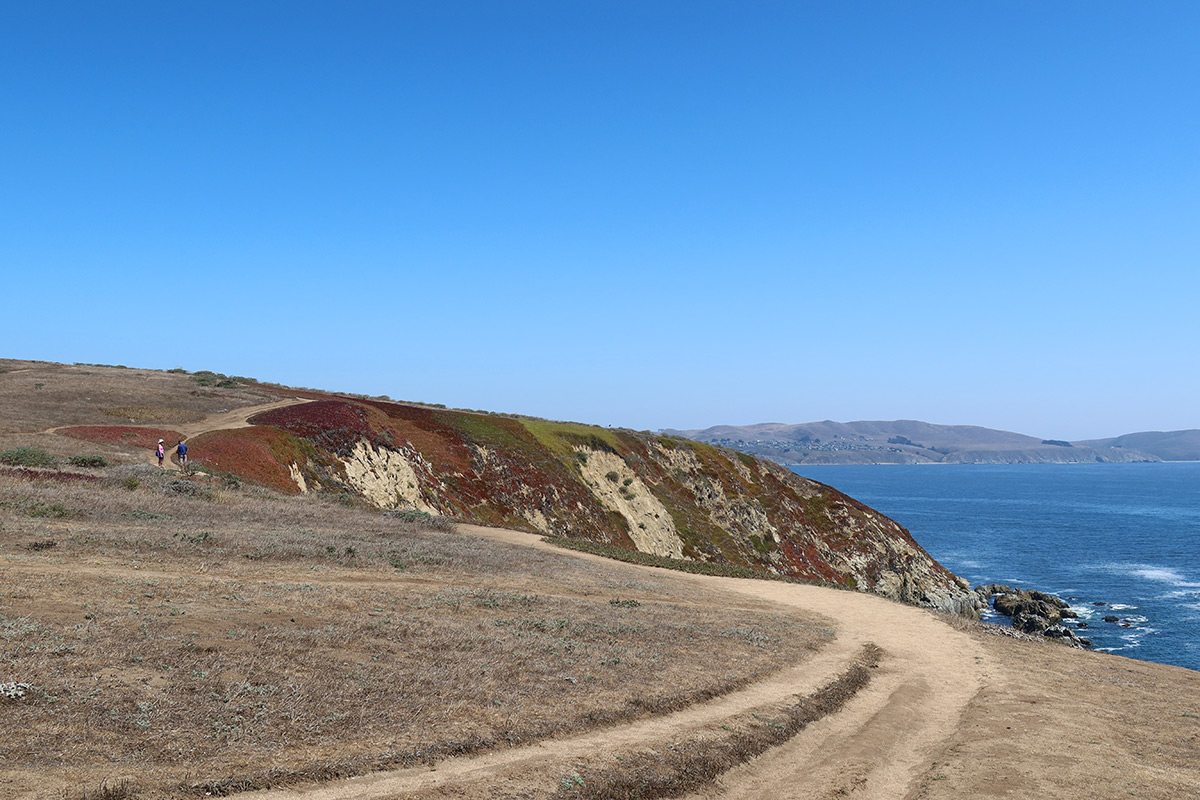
{"points": [[1126, 535]]}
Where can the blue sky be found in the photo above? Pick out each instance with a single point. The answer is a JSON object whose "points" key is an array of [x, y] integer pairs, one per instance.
{"points": [[673, 214]]}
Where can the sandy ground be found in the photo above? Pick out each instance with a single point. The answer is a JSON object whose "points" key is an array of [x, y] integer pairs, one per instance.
{"points": [[952, 712]]}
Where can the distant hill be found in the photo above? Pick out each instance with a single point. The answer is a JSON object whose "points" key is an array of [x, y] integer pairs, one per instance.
{"points": [[914, 442], [1167, 445]]}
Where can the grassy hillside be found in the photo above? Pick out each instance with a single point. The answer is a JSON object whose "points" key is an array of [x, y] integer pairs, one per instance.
{"points": [[1167, 445]]}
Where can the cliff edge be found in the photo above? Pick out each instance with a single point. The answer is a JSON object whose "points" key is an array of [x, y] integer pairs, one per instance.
{"points": [[656, 494]]}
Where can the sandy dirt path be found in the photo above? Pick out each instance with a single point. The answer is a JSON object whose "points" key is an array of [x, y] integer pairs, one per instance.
{"points": [[877, 746], [237, 418]]}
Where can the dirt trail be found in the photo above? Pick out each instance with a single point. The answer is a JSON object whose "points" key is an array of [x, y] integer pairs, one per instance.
{"points": [[237, 418], [877, 746]]}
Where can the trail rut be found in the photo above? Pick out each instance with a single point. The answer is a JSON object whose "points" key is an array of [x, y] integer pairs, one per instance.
{"points": [[876, 746]]}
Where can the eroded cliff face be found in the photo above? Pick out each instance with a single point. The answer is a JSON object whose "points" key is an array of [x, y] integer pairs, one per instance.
{"points": [[622, 490], [670, 497]]}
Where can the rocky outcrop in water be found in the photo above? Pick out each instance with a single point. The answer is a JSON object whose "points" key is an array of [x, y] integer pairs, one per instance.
{"points": [[1033, 612]]}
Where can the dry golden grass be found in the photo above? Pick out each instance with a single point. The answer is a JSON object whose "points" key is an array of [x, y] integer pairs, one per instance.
{"points": [[36, 396], [187, 636]]}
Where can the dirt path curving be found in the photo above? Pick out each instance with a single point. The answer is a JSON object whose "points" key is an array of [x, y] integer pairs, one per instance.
{"points": [[877, 746], [237, 418]]}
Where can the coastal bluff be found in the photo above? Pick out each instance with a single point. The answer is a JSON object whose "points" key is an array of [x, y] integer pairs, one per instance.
{"points": [[655, 494], [660, 495]]}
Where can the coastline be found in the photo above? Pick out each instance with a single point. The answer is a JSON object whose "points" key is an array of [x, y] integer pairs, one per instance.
{"points": [[1102, 535]]}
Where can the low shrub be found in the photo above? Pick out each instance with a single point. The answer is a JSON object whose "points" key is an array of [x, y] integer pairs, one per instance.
{"points": [[189, 489], [206, 377], [421, 519], [27, 457], [42, 510], [87, 461]]}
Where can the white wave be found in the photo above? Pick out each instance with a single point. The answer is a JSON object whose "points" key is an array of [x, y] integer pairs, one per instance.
{"points": [[1161, 574]]}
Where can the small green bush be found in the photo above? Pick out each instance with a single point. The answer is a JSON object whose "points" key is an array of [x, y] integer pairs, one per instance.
{"points": [[408, 515], [131, 483], [206, 377], [51, 511], [27, 457], [87, 461], [189, 489]]}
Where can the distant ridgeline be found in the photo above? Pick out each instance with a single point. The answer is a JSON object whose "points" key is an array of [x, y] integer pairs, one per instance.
{"points": [[912, 442]]}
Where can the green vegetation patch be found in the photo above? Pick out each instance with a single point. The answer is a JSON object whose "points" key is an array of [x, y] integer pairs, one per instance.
{"points": [[27, 457], [206, 377], [562, 438], [40, 510], [94, 462]]}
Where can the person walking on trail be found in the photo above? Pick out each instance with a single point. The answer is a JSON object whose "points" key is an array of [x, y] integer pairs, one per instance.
{"points": [[181, 452], [161, 452]]}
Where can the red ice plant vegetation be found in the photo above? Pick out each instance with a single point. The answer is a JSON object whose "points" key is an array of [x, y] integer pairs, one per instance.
{"points": [[122, 434], [47, 475], [259, 454]]}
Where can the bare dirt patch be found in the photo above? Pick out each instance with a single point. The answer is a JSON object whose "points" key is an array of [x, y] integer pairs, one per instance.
{"points": [[1055, 722]]}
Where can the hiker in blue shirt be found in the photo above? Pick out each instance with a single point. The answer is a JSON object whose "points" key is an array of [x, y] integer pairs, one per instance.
{"points": [[181, 451]]}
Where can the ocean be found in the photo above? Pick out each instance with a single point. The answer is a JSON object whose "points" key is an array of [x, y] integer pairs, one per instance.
{"points": [[1123, 535]]}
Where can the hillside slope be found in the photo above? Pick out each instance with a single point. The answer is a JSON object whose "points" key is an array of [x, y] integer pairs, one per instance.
{"points": [[911, 442], [1167, 445], [656, 494]]}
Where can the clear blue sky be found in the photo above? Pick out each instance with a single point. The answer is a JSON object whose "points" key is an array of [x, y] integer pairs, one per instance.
{"points": [[666, 214]]}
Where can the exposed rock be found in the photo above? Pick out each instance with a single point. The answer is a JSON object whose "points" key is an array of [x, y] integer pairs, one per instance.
{"points": [[1033, 611], [1031, 623], [1065, 635], [621, 490], [385, 477], [1112, 618]]}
